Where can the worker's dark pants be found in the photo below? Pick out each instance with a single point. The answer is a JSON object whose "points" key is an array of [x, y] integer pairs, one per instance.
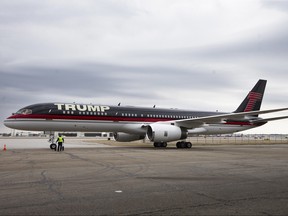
{"points": [[59, 146]]}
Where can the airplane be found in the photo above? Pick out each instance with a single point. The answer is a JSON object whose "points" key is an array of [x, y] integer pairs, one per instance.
{"points": [[135, 123]]}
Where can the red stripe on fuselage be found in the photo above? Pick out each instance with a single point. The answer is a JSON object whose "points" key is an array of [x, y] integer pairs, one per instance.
{"points": [[245, 123], [239, 123], [88, 117]]}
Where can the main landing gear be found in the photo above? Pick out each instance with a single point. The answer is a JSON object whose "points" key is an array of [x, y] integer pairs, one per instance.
{"points": [[183, 144], [180, 144], [160, 144]]}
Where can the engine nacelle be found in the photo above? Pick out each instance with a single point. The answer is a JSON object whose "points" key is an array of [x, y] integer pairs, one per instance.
{"points": [[124, 137], [165, 133]]}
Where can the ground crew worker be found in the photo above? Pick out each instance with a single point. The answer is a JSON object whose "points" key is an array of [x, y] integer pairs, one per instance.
{"points": [[60, 141]]}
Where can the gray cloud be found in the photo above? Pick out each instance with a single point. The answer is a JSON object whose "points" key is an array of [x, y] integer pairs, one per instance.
{"points": [[94, 79], [281, 5], [57, 12], [271, 45]]}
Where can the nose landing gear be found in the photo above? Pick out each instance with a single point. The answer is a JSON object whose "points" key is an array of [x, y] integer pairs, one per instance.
{"points": [[53, 145]]}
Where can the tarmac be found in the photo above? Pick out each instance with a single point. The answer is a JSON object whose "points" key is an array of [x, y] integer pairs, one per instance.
{"points": [[113, 180]]}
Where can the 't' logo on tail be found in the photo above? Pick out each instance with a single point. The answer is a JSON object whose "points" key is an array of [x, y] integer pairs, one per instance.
{"points": [[253, 100]]}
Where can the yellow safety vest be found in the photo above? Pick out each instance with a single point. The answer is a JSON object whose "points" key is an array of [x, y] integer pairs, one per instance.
{"points": [[60, 139]]}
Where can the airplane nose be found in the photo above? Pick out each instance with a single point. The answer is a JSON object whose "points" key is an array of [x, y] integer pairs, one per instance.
{"points": [[9, 123], [6, 123]]}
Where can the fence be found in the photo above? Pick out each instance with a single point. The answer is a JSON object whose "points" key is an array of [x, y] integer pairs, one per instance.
{"points": [[241, 139]]}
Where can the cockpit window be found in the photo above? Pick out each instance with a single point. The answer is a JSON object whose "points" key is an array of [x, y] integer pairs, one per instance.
{"points": [[24, 111]]}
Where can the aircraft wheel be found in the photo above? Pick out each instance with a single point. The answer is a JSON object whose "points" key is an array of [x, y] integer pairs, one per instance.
{"points": [[156, 145], [160, 144], [164, 144], [188, 145], [180, 144], [183, 144], [53, 146]]}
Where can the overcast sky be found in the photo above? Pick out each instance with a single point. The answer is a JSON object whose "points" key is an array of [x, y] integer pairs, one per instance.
{"points": [[194, 54]]}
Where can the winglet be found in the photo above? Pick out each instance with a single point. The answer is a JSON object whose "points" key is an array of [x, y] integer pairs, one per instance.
{"points": [[253, 100]]}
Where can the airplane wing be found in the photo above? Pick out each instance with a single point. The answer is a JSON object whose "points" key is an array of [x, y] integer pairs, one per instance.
{"points": [[196, 122]]}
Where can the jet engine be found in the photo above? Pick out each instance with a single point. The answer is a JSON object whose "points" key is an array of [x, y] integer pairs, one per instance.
{"points": [[165, 133], [124, 137]]}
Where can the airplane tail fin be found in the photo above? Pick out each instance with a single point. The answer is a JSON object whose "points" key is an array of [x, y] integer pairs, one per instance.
{"points": [[253, 100]]}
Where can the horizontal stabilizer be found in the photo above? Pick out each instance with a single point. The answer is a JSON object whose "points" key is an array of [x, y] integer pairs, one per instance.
{"points": [[269, 119]]}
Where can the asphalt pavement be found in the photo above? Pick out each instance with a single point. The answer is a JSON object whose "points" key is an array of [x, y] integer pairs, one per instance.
{"points": [[204, 180]]}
